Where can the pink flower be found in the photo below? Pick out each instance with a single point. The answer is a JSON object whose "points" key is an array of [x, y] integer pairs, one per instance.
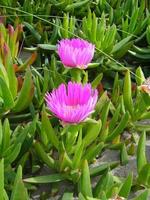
{"points": [[72, 103], [75, 52]]}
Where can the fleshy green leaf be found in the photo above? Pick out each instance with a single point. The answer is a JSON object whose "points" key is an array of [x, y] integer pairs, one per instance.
{"points": [[6, 135], [124, 155], [103, 184], [126, 187], [67, 196], [76, 5], [144, 175], [119, 45], [139, 76], [19, 189], [143, 196], [43, 155], [26, 93], [46, 125], [92, 132], [119, 129], [46, 179], [6, 95], [141, 156], [97, 80], [85, 183], [127, 94], [2, 179]]}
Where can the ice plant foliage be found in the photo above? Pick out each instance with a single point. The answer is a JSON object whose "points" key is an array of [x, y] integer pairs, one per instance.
{"points": [[75, 52], [72, 103]]}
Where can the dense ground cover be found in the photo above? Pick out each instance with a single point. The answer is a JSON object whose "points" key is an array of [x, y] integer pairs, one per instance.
{"points": [[74, 99]]}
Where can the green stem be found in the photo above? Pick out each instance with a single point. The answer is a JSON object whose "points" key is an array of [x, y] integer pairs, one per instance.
{"points": [[76, 74]]}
